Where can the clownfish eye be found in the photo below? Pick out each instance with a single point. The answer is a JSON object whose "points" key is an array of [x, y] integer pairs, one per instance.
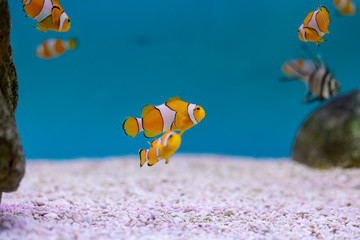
{"points": [[68, 19], [170, 136], [197, 108]]}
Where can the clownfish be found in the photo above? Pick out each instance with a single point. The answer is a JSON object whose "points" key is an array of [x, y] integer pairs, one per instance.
{"points": [[345, 7], [52, 48], [175, 115], [161, 149], [315, 26], [48, 13], [320, 83], [305, 65]]}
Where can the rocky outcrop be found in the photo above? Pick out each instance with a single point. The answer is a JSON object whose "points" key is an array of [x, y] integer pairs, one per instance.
{"points": [[330, 137], [12, 159]]}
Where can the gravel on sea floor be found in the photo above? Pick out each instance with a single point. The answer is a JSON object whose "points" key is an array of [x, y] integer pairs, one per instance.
{"points": [[192, 197]]}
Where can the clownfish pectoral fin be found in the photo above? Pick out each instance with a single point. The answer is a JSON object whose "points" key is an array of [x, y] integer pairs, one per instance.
{"points": [[142, 155], [41, 28], [167, 160], [326, 15], [55, 13], [146, 109]]}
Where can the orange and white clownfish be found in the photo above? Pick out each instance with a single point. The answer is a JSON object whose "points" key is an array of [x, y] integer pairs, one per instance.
{"points": [[52, 48], [305, 65], [320, 83], [175, 115], [48, 13], [161, 149], [315, 26], [345, 7]]}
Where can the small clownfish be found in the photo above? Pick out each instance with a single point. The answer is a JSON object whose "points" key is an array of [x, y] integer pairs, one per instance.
{"points": [[320, 83], [161, 148], [345, 7], [48, 13], [175, 115], [315, 26], [52, 48], [305, 65]]}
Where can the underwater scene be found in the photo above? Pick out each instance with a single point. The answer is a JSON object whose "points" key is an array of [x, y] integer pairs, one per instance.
{"points": [[179, 119]]}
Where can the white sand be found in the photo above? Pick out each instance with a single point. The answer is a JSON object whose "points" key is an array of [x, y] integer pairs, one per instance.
{"points": [[193, 197]]}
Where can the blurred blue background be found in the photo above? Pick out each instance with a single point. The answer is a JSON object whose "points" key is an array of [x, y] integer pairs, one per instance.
{"points": [[222, 55]]}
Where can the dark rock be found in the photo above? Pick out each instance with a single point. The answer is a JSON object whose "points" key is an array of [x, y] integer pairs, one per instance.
{"points": [[12, 159], [330, 137]]}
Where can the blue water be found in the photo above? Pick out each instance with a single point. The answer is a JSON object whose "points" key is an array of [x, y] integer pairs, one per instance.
{"points": [[222, 55]]}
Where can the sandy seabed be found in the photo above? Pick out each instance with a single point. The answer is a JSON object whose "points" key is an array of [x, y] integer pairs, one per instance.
{"points": [[193, 197]]}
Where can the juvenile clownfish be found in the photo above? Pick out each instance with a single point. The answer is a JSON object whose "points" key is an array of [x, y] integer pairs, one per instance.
{"points": [[320, 83], [345, 7], [52, 48], [175, 115], [161, 149], [315, 26], [305, 65], [48, 13]]}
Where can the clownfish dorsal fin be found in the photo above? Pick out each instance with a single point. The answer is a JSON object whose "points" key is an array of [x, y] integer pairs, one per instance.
{"points": [[146, 109], [326, 15], [174, 98], [55, 12]]}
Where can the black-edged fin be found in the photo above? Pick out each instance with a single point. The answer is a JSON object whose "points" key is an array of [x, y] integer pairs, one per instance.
{"points": [[315, 62], [142, 155]]}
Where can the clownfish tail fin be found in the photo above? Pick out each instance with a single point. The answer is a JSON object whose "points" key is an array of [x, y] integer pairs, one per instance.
{"points": [[142, 155], [132, 126]]}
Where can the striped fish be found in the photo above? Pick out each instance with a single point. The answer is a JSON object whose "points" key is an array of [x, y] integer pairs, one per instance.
{"points": [[175, 115], [315, 26], [48, 13], [52, 48], [320, 83], [345, 7], [305, 65], [161, 149]]}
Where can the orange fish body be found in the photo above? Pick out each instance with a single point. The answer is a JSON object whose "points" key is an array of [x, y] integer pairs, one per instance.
{"points": [[161, 149], [315, 26], [48, 13], [175, 115], [52, 48], [345, 7]]}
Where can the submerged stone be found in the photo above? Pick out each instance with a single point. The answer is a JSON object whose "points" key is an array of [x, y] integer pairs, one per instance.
{"points": [[330, 137], [12, 159]]}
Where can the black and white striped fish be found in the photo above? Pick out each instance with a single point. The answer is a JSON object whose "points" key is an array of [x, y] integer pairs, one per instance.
{"points": [[320, 83]]}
